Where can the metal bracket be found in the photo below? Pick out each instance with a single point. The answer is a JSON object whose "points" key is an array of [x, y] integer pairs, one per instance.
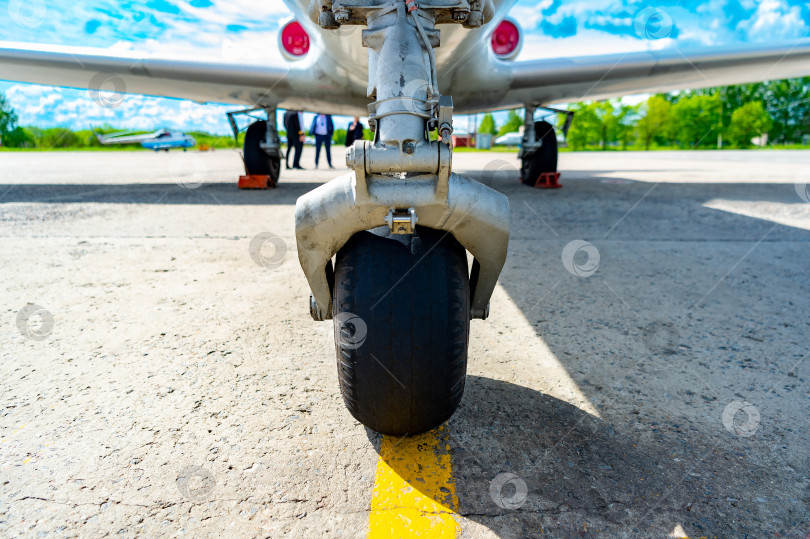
{"points": [[401, 221], [271, 143], [530, 142], [468, 13], [445, 118]]}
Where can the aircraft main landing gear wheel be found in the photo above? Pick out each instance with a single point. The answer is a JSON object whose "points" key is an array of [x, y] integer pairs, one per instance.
{"points": [[256, 159], [401, 309], [544, 159]]}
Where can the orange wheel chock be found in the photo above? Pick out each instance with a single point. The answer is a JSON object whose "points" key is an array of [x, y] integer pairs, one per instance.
{"points": [[548, 180], [256, 181]]}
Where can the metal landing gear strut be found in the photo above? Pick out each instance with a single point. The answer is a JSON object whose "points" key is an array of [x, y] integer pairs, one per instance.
{"points": [[400, 293], [262, 150], [538, 152]]}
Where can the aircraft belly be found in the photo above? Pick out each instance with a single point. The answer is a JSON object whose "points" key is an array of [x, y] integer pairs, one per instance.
{"points": [[343, 67]]}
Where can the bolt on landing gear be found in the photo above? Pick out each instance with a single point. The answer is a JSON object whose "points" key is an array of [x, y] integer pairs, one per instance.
{"points": [[400, 294]]}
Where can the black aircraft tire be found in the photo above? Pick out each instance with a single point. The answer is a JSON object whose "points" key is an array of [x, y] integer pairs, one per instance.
{"points": [[545, 158], [401, 311], [256, 159]]}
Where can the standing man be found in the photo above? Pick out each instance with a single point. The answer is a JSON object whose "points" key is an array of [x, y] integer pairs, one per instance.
{"points": [[322, 128], [354, 132], [294, 124]]}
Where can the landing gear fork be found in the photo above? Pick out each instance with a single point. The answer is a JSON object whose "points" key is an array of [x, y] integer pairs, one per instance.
{"points": [[401, 170]]}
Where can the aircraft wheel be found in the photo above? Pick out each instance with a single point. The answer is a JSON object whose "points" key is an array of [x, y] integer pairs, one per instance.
{"points": [[544, 159], [401, 310], [256, 159]]}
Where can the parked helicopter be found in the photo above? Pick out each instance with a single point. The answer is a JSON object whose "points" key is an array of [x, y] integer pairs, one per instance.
{"points": [[162, 139]]}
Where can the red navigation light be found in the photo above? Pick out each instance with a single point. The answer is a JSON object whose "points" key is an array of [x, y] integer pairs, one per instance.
{"points": [[294, 39], [506, 40]]}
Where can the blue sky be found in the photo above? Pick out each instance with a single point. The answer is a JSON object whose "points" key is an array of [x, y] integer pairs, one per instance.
{"points": [[247, 29]]}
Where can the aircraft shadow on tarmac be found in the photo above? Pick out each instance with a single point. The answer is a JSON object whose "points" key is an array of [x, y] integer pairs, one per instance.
{"points": [[504, 179], [581, 476], [153, 193], [676, 323]]}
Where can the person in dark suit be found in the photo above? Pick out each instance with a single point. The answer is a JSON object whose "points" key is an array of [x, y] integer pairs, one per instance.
{"points": [[354, 132], [323, 128], [294, 124]]}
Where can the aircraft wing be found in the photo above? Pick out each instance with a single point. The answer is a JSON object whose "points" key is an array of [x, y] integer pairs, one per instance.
{"points": [[477, 81], [571, 79], [302, 84]]}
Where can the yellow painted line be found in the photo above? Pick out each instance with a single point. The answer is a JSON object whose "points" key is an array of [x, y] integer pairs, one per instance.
{"points": [[414, 491]]}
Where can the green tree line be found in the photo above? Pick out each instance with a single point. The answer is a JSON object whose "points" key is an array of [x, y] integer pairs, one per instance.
{"points": [[56, 138], [726, 116]]}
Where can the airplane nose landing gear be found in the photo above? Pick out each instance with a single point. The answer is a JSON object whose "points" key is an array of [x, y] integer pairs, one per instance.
{"points": [[401, 295]]}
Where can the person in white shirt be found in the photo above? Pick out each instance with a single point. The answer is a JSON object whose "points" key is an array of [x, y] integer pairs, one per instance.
{"points": [[323, 128]]}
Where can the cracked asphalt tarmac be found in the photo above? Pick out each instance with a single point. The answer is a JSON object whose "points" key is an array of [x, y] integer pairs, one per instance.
{"points": [[158, 381]]}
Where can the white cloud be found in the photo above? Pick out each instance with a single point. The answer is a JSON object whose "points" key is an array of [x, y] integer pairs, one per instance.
{"points": [[774, 20], [46, 106], [585, 43], [235, 10], [530, 16], [242, 31]]}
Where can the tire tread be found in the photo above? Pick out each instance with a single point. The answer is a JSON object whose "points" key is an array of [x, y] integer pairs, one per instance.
{"points": [[418, 330]]}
